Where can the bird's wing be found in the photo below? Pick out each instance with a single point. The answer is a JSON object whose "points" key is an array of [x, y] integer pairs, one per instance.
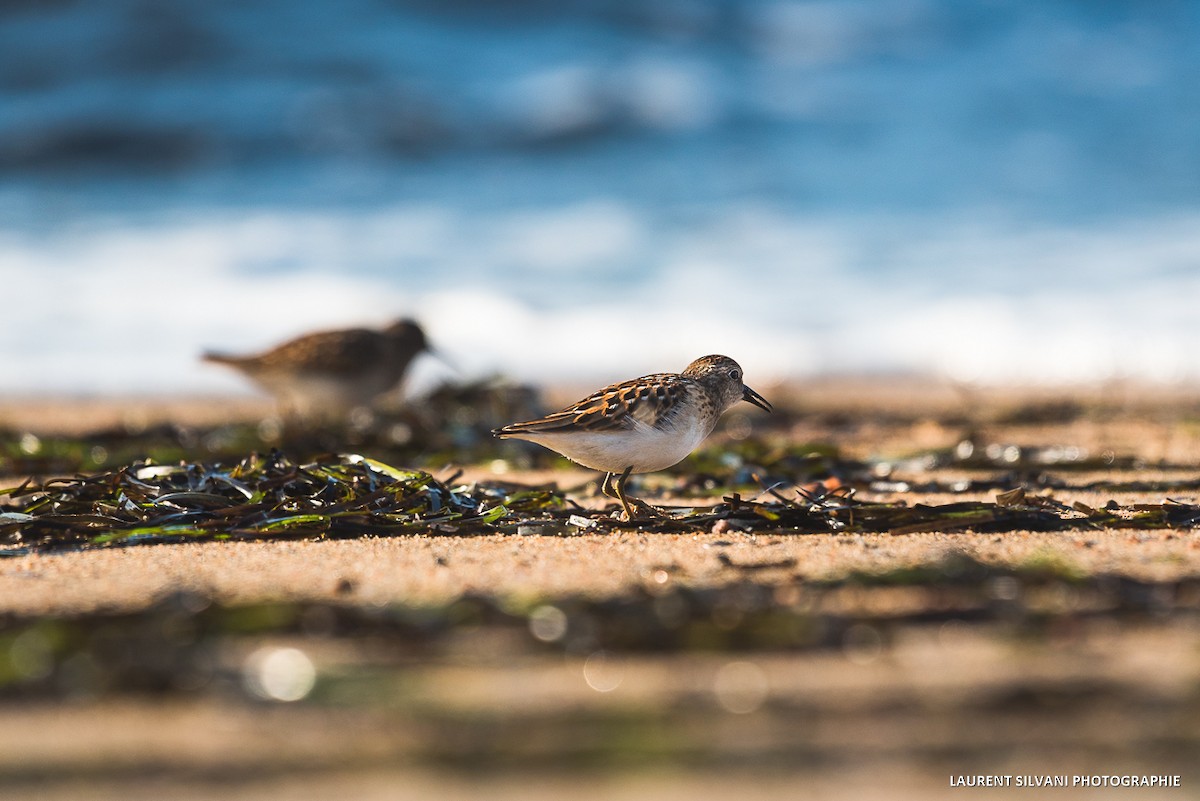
{"points": [[645, 401], [327, 352]]}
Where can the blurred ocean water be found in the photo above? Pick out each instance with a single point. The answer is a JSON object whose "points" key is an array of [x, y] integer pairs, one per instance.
{"points": [[991, 191]]}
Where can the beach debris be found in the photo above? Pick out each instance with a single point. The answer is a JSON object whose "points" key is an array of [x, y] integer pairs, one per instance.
{"points": [[340, 496], [262, 496]]}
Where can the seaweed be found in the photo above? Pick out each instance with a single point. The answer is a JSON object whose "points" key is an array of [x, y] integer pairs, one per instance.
{"points": [[259, 497], [340, 496], [170, 483]]}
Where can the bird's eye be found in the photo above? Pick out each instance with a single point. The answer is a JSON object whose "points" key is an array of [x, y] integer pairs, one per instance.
{"points": [[735, 374]]}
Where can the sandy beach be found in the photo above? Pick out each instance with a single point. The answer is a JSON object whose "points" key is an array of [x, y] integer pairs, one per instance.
{"points": [[1152, 434], [1091, 633]]}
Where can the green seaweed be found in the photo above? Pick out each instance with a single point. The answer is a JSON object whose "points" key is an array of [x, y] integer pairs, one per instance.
{"points": [[269, 496]]}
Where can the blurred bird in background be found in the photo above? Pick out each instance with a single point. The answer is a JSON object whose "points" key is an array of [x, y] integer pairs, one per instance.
{"points": [[326, 374]]}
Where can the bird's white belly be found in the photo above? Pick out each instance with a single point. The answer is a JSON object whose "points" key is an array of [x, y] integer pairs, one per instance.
{"points": [[644, 447], [307, 394]]}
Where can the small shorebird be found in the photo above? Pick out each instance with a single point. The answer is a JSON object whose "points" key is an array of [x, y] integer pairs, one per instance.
{"points": [[641, 425], [332, 371]]}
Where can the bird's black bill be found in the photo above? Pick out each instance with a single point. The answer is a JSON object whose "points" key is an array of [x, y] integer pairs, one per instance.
{"points": [[442, 357], [750, 396]]}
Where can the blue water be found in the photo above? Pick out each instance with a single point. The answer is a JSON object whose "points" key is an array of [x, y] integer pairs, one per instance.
{"points": [[985, 191]]}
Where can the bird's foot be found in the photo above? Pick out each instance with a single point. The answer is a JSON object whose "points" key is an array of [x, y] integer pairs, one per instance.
{"points": [[639, 510]]}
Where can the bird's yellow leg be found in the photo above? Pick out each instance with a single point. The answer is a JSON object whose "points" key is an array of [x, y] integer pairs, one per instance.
{"points": [[629, 505]]}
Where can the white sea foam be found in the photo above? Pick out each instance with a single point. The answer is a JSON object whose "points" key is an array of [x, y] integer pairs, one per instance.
{"points": [[601, 290]]}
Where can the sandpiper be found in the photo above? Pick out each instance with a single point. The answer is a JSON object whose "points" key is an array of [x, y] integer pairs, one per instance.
{"points": [[641, 425], [332, 372]]}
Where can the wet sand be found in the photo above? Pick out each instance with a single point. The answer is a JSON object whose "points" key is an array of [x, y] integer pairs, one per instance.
{"points": [[431, 571]]}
